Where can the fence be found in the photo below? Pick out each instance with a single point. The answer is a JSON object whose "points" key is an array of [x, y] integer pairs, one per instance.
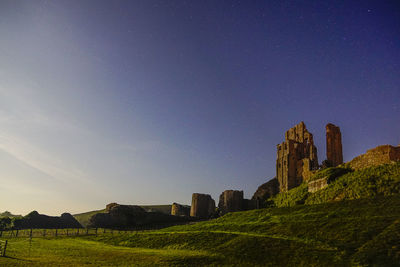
{"points": [[30, 233], [3, 248]]}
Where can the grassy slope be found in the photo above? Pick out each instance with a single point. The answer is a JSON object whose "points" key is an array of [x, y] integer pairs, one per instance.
{"points": [[357, 232], [364, 231], [366, 183]]}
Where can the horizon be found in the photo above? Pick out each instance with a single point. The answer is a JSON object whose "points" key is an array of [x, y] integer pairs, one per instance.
{"points": [[147, 102]]}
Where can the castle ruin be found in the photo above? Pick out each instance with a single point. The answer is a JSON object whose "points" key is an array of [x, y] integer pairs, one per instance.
{"points": [[230, 201], [334, 154], [180, 210], [203, 206], [296, 157]]}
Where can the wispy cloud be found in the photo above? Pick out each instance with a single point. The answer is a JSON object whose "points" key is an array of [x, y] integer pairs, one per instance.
{"points": [[39, 159]]}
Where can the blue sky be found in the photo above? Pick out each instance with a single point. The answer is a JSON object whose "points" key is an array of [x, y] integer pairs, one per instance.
{"points": [[147, 102]]}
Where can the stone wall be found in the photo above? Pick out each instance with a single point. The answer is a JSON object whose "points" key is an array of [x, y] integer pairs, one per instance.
{"points": [[203, 206], [180, 210], [230, 201], [334, 154], [296, 157], [376, 156], [109, 206], [314, 186], [267, 190]]}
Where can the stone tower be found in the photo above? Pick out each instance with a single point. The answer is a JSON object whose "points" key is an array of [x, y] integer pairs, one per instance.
{"points": [[296, 157], [334, 154], [230, 200], [203, 206]]}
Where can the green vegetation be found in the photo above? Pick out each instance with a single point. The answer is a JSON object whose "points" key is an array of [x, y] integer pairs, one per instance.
{"points": [[345, 184], [361, 230], [8, 215], [357, 232], [74, 251], [331, 173]]}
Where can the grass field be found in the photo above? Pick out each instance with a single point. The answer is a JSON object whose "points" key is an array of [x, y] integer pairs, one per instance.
{"points": [[364, 232]]}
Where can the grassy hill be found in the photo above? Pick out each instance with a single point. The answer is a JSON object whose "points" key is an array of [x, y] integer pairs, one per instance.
{"points": [[362, 232], [355, 221], [83, 218], [345, 184], [9, 215]]}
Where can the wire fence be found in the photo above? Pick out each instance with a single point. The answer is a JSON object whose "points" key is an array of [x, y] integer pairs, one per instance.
{"points": [[31, 233]]}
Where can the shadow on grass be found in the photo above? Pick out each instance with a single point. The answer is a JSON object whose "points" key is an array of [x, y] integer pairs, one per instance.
{"points": [[15, 258]]}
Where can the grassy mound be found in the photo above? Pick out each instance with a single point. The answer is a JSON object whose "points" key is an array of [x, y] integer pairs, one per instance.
{"points": [[330, 234], [345, 184]]}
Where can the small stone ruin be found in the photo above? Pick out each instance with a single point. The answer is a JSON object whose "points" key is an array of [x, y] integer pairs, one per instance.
{"points": [[230, 200], [376, 156], [203, 206], [180, 210]]}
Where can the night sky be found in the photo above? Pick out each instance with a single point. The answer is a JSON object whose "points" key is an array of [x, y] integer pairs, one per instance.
{"points": [[147, 102]]}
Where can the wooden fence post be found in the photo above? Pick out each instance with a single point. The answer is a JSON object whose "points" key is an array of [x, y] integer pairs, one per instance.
{"points": [[5, 247], [56, 232], [96, 231], [44, 232], [87, 231], [30, 234]]}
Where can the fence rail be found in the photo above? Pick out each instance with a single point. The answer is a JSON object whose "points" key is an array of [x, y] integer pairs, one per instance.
{"points": [[61, 232], [30, 233]]}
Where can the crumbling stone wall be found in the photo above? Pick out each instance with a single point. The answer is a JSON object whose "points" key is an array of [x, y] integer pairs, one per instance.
{"points": [[180, 210], [314, 186], [376, 156], [110, 206], [203, 206], [296, 157], [230, 201], [334, 154], [265, 191]]}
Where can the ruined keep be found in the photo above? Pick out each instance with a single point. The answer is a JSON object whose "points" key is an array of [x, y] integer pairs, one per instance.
{"points": [[203, 206], [180, 210], [334, 154], [230, 201], [296, 157]]}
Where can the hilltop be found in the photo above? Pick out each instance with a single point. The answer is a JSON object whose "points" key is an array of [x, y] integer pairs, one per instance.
{"points": [[344, 184], [83, 218]]}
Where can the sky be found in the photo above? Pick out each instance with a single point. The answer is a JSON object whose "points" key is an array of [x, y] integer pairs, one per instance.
{"points": [[147, 102]]}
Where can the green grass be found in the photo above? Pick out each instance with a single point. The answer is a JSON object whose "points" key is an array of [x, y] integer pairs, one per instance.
{"points": [[79, 252], [363, 232], [345, 184]]}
